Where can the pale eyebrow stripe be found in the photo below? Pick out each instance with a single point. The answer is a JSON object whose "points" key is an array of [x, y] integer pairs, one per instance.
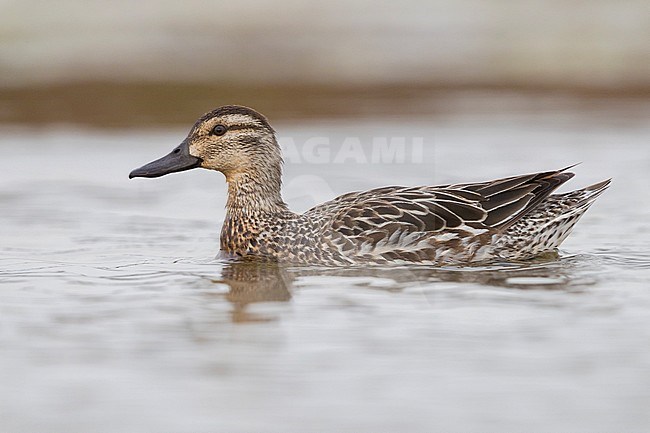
{"points": [[249, 126]]}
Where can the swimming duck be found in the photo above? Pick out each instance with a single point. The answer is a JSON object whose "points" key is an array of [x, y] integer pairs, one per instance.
{"points": [[512, 218]]}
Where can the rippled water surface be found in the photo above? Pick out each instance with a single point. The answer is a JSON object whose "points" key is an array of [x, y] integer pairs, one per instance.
{"points": [[115, 314]]}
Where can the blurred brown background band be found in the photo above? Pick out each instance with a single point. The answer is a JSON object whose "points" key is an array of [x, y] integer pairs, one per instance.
{"points": [[136, 64]]}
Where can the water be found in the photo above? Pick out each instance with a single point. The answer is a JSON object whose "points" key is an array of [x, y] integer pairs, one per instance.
{"points": [[115, 314]]}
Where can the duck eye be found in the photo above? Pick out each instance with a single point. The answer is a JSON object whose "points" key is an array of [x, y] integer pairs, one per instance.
{"points": [[219, 130]]}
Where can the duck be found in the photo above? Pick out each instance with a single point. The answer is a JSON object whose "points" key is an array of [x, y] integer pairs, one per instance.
{"points": [[508, 219]]}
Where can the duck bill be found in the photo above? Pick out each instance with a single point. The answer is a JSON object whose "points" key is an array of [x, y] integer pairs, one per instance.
{"points": [[178, 160]]}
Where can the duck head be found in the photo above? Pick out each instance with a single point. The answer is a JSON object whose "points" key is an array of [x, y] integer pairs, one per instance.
{"points": [[232, 139]]}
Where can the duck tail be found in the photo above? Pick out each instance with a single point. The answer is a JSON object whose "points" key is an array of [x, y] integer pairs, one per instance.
{"points": [[548, 226]]}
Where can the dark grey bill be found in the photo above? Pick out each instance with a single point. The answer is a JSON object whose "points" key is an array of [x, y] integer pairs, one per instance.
{"points": [[178, 160]]}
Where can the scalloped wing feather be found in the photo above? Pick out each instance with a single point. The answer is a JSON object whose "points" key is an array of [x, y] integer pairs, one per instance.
{"points": [[432, 224]]}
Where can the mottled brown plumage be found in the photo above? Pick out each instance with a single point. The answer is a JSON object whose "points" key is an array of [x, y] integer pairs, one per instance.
{"points": [[505, 219]]}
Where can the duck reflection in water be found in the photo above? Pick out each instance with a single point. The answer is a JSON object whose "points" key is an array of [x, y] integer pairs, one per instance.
{"points": [[253, 282]]}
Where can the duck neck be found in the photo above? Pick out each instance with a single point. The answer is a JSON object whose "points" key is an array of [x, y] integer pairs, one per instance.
{"points": [[253, 196]]}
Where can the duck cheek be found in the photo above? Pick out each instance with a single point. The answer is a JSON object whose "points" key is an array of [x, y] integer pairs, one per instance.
{"points": [[212, 163]]}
